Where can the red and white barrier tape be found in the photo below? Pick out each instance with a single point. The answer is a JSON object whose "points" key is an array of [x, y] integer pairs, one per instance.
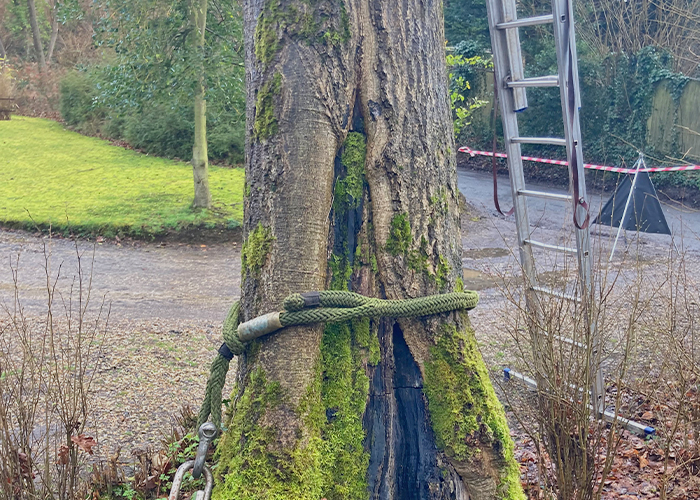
{"points": [[620, 170]]}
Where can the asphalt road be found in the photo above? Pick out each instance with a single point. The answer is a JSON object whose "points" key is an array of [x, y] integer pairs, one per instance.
{"points": [[546, 215]]}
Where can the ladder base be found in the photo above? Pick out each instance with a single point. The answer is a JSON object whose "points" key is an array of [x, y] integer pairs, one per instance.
{"points": [[632, 426]]}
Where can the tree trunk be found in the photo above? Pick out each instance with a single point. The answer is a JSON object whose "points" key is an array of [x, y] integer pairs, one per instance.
{"points": [[351, 184], [3, 54], [200, 156], [54, 36], [36, 35]]}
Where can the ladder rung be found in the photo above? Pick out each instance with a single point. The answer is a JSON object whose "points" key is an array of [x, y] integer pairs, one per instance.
{"points": [[554, 141], [554, 293], [545, 195], [547, 246], [526, 21], [540, 81], [568, 341]]}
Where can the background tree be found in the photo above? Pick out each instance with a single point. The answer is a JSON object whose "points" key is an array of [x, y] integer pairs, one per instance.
{"points": [[36, 35], [200, 157], [155, 67], [351, 183]]}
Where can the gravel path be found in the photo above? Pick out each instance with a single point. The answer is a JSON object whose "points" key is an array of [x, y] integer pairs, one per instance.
{"points": [[167, 305]]}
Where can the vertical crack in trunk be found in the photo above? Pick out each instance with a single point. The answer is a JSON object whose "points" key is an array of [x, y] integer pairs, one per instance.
{"points": [[404, 461]]}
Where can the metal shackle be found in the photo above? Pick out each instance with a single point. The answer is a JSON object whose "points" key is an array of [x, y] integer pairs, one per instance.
{"points": [[177, 482], [207, 433]]}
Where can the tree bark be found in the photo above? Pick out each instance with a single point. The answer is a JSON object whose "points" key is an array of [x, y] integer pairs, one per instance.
{"points": [[351, 184], [3, 54], [200, 155], [36, 35]]}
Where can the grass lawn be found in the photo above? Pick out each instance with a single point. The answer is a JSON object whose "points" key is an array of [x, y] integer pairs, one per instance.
{"points": [[51, 176]]}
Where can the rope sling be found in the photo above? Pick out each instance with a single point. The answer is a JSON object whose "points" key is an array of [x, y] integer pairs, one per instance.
{"points": [[314, 307]]}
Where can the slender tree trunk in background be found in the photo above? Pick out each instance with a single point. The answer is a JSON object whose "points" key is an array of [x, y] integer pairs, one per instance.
{"points": [[351, 184], [36, 35], [200, 156], [54, 36], [3, 54]]}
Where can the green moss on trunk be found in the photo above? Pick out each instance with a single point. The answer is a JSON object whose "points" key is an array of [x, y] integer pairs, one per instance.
{"points": [[399, 240], [251, 465], [255, 248], [348, 190], [464, 410], [265, 125], [344, 389]]}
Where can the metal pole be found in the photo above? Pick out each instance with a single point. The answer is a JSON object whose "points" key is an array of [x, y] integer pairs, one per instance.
{"points": [[638, 164]]}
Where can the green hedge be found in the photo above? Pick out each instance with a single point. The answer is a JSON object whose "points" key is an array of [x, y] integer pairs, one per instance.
{"points": [[162, 126]]}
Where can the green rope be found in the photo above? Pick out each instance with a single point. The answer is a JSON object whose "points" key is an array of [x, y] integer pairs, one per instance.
{"points": [[321, 307]]}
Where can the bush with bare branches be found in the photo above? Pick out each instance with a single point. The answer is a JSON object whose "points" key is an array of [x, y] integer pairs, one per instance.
{"points": [[47, 367]]}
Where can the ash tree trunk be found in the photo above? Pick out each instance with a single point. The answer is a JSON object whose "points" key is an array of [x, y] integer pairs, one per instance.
{"points": [[351, 184]]}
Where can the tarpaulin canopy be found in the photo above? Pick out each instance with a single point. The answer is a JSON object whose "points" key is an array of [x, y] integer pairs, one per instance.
{"points": [[641, 211]]}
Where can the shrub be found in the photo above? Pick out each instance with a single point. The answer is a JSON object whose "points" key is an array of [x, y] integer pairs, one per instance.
{"points": [[77, 101], [226, 138], [161, 130], [160, 124]]}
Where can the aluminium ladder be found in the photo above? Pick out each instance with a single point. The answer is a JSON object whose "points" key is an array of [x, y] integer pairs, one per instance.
{"points": [[509, 75]]}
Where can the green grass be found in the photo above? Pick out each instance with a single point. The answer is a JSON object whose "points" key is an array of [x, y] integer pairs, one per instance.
{"points": [[50, 176]]}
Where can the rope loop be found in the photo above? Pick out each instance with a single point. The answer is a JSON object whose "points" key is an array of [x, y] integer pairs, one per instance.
{"points": [[327, 306]]}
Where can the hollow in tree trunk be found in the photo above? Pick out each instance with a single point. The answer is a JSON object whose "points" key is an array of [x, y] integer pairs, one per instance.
{"points": [[351, 184], [200, 155]]}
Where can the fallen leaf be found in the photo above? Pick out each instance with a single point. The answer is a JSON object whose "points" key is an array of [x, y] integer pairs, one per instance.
{"points": [[84, 442], [643, 462], [647, 415], [63, 455], [25, 468]]}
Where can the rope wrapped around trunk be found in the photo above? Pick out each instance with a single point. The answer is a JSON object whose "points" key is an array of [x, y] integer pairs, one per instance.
{"points": [[329, 306]]}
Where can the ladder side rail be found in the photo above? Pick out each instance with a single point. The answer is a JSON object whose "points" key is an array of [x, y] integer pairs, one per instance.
{"points": [[502, 63], [510, 129], [565, 41]]}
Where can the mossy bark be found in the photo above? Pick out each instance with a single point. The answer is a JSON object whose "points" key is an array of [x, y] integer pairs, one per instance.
{"points": [[353, 185]]}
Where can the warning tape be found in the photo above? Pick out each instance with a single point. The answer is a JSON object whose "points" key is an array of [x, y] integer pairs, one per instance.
{"points": [[620, 170]]}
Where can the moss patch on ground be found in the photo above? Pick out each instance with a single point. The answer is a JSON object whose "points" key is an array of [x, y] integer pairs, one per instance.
{"points": [[464, 410], [50, 176]]}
